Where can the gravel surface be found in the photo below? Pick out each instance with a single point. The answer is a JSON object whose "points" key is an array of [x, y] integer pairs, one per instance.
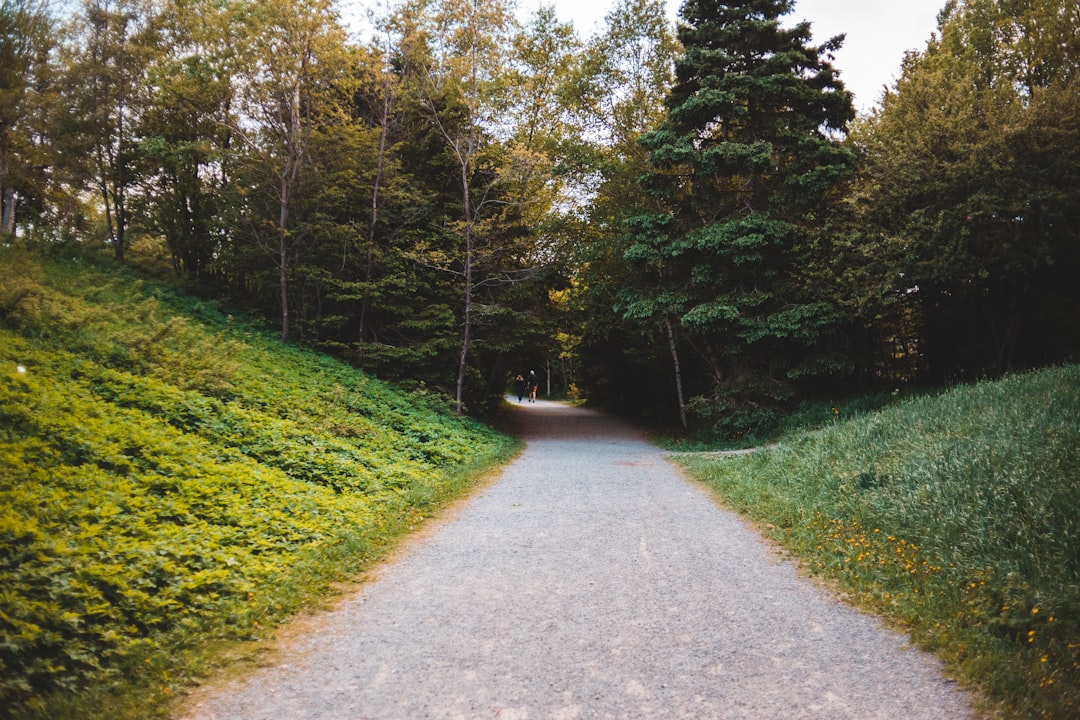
{"points": [[591, 581]]}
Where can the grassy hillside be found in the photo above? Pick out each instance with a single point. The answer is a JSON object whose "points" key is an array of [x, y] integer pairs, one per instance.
{"points": [[958, 516], [170, 476]]}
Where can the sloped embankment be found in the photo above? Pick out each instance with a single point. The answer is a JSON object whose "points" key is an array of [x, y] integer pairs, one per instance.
{"points": [[953, 514], [169, 475]]}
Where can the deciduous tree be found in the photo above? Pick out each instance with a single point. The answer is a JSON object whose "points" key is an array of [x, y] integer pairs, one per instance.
{"points": [[292, 56], [27, 36], [107, 91], [184, 137], [466, 92], [973, 162], [621, 81]]}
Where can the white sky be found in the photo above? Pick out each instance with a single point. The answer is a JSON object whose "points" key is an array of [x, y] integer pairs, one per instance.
{"points": [[879, 32]]}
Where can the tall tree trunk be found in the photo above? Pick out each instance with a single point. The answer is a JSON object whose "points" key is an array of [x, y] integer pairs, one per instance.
{"points": [[283, 269], [1008, 339], [110, 232], [119, 202], [290, 174], [467, 329], [106, 166], [380, 163], [7, 226], [121, 228], [7, 199], [678, 371]]}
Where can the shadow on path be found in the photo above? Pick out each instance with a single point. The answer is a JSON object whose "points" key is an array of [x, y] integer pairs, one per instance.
{"points": [[545, 419]]}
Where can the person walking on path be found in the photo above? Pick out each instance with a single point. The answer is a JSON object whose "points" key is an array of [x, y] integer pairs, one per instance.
{"points": [[591, 580], [519, 386], [534, 383]]}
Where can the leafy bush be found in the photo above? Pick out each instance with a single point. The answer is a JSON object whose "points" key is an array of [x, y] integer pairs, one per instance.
{"points": [[166, 472]]}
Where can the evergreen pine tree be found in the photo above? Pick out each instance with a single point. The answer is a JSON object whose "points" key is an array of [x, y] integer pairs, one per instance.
{"points": [[747, 150]]}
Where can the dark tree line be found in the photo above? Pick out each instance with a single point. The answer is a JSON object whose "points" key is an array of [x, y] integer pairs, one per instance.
{"points": [[780, 251], [685, 222]]}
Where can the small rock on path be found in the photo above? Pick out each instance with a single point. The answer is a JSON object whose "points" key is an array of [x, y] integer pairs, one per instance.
{"points": [[591, 581]]}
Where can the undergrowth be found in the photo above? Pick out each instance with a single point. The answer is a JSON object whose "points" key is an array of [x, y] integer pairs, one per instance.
{"points": [[171, 477], [955, 515]]}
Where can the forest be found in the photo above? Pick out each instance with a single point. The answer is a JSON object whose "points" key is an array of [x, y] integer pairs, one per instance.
{"points": [[687, 222]]}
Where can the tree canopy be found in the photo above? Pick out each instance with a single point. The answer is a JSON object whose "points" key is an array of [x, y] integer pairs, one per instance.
{"points": [[740, 164], [970, 188], [684, 221]]}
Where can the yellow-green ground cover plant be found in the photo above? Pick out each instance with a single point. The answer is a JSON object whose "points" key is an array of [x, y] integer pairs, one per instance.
{"points": [[958, 516], [171, 478]]}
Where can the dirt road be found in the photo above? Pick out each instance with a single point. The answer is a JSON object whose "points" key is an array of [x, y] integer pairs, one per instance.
{"points": [[591, 581]]}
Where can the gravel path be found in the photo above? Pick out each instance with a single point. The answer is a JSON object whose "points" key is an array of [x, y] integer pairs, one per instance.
{"points": [[591, 581]]}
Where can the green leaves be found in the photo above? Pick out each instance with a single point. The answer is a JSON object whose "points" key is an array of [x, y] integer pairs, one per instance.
{"points": [[950, 514], [140, 511], [739, 165], [973, 194], [729, 158]]}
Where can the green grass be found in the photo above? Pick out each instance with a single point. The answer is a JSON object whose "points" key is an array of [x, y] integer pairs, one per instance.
{"points": [[958, 516], [172, 478]]}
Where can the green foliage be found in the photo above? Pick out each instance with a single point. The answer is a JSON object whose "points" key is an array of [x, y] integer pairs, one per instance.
{"points": [[741, 411], [954, 515], [618, 90], [27, 35], [968, 192], [738, 167], [166, 472]]}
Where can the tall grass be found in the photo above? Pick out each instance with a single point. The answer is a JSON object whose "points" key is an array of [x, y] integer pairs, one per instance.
{"points": [[171, 477], [956, 515]]}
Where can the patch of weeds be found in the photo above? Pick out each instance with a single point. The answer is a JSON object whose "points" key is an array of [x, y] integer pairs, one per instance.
{"points": [[172, 479]]}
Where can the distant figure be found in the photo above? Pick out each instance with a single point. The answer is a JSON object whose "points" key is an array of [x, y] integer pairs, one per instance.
{"points": [[519, 385], [534, 382]]}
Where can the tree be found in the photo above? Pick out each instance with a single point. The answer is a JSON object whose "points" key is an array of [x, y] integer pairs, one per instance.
{"points": [[618, 94], [622, 79], [404, 325], [465, 94], [411, 283], [971, 175], [539, 128], [745, 154], [385, 108], [107, 91], [544, 53], [26, 39], [294, 54], [184, 137]]}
